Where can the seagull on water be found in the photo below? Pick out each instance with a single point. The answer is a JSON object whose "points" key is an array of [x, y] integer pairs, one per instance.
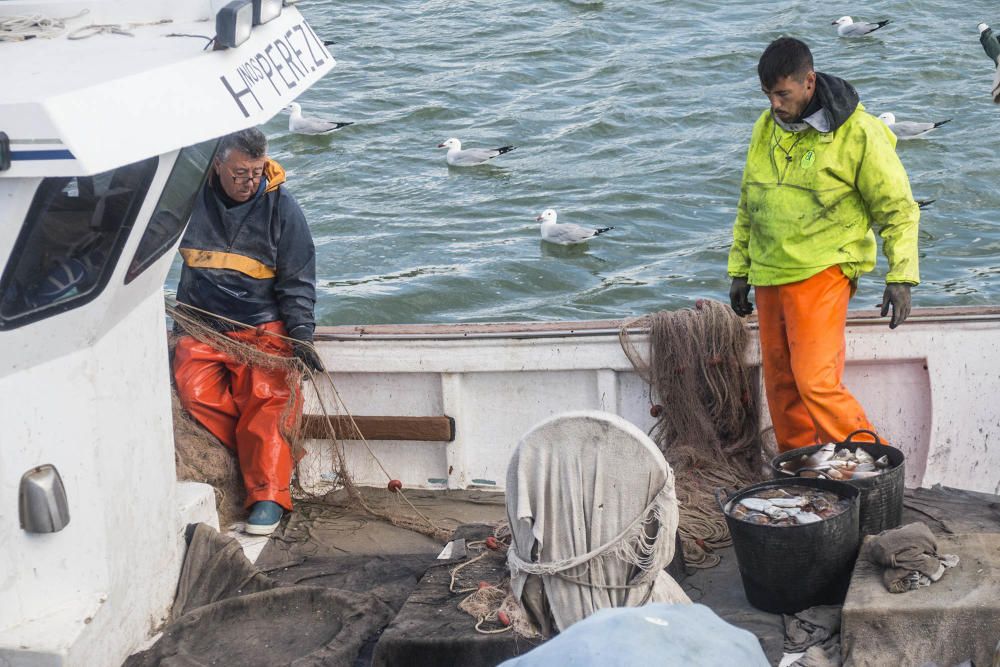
{"points": [[846, 27], [470, 157], [909, 129], [567, 234], [300, 125]]}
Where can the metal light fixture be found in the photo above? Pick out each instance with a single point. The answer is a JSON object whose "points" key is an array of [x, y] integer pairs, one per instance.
{"points": [[41, 501], [265, 10], [4, 152], [233, 24]]}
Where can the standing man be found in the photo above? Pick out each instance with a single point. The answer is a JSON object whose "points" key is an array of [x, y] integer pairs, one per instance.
{"points": [[248, 258], [820, 172]]}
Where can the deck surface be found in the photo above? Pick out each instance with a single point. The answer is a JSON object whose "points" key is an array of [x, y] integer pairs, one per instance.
{"points": [[338, 546]]}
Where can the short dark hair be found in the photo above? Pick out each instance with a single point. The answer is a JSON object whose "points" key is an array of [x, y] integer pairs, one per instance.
{"points": [[785, 56], [250, 141]]}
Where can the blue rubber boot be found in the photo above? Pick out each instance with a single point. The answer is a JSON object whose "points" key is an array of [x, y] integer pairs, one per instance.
{"points": [[264, 517]]}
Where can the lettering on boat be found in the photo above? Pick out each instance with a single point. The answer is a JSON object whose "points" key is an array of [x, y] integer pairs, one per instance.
{"points": [[277, 68]]}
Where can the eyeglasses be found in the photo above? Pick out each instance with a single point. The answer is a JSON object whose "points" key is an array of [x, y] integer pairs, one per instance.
{"points": [[246, 180]]}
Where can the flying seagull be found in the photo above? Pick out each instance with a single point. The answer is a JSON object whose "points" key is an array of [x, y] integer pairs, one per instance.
{"points": [[470, 157], [909, 129], [565, 234], [846, 27], [301, 125]]}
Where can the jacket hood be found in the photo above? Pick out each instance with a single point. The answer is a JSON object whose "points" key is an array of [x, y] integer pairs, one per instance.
{"points": [[275, 173], [838, 98]]}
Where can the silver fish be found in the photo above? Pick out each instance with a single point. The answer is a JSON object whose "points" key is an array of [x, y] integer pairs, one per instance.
{"points": [[821, 504], [756, 504], [861, 456], [825, 453], [797, 501], [806, 517], [776, 513], [822, 455]]}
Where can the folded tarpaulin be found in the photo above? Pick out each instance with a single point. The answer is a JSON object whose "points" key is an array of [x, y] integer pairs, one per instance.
{"points": [[656, 634], [910, 557], [814, 635]]}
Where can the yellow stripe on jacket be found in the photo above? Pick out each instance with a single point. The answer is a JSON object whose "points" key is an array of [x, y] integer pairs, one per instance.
{"points": [[217, 259]]}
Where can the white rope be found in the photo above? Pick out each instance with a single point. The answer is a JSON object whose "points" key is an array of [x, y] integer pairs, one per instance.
{"points": [[633, 545], [20, 28], [112, 29]]}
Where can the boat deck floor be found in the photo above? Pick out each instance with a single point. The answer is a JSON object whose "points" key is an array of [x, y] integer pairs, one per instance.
{"points": [[333, 544]]}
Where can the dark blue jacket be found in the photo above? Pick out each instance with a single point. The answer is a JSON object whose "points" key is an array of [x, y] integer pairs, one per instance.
{"points": [[254, 262]]}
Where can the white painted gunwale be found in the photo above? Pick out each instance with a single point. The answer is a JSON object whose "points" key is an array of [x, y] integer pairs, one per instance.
{"points": [[928, 386]]}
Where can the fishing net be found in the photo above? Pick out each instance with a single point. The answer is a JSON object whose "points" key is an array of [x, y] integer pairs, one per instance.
{"points": [[221, 467], [200, 457], [707, 412], [492, 604]]}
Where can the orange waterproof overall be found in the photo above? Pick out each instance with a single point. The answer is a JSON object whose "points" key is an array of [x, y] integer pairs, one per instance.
{"points": [[243, 407], [802, 348]]}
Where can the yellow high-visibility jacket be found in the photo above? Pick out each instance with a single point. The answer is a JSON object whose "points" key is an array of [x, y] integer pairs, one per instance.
{"points": [[802, 215]]}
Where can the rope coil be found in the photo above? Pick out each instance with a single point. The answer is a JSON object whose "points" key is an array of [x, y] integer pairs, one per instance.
{"points": [[21, 28]]}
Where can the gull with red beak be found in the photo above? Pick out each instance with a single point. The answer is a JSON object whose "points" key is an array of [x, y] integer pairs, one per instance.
{"points": [[908, 129], [470, 157], [300, 124], [846, 27], [567, 234]]}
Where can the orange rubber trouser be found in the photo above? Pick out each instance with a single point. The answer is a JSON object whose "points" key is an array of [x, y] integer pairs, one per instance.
{"points": [[243, 406], [802, 348]]}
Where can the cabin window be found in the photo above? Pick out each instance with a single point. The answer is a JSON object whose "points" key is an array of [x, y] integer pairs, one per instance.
{"points": [[175, 206], [71, 241]]}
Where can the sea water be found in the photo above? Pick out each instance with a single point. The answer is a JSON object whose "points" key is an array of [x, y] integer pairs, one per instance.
{"points": [[630, 114]]}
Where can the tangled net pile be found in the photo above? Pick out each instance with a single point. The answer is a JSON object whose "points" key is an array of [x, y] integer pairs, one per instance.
{"points": [[217, 466], [493, 605], [707, 413]]}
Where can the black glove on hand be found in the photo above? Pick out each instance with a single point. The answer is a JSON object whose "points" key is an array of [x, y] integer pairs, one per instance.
{"points": [[898, 296], [739, 297], [302, 348]]}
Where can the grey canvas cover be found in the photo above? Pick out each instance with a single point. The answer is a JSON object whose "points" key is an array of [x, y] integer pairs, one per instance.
{"points": [[593, 515]]}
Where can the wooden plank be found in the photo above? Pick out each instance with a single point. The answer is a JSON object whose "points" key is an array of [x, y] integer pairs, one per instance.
{"points": [[424, 429]]}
